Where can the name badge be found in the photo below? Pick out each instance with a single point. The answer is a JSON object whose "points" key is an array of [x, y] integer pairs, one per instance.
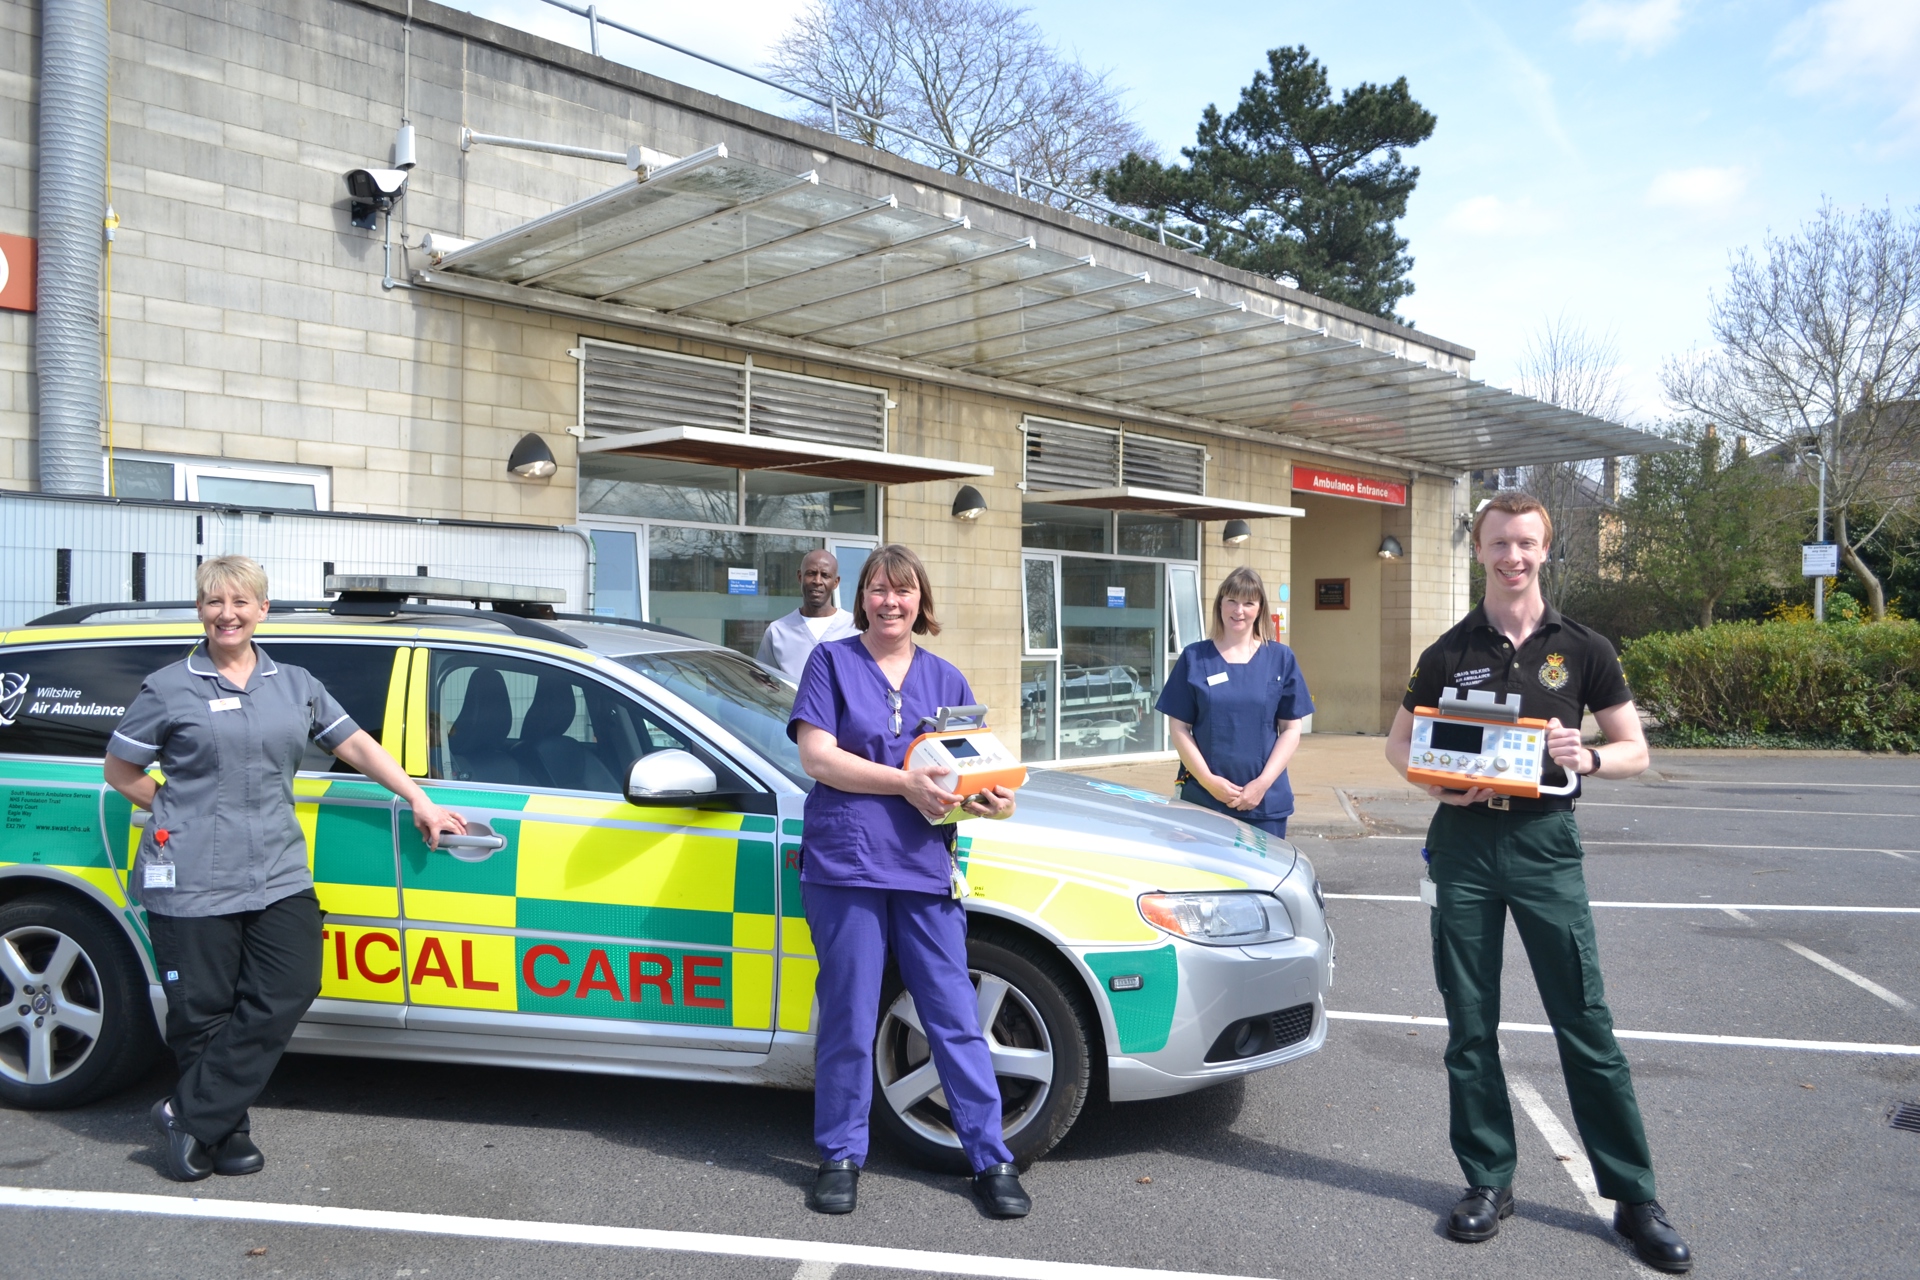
{"points": [[157, 875], [223, 704], [1218, 677]]}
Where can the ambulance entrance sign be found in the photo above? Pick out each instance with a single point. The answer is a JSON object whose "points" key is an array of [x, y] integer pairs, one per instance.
{"points": [[1364, 488], [1819, 559]]}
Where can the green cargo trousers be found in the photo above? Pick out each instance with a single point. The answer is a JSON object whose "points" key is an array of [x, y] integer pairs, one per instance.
{"points": [[1487, 862]]}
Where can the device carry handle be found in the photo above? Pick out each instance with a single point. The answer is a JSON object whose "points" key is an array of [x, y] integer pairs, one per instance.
{"points": [[944, 719], [1573, 783]]}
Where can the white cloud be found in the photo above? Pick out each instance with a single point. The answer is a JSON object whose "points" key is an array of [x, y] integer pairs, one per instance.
{"points": [[1857, 48], [1491, 215], [1642, 26], [1699, 189]]}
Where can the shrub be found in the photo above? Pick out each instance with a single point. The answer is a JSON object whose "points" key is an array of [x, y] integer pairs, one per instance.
{"points": [[1782, 683]]}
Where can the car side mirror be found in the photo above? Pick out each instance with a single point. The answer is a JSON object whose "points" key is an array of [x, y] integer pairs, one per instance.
{"points": [[671, 777]]}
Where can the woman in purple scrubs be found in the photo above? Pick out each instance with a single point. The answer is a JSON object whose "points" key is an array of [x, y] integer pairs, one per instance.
{"points": [[1235, 703], [878, 877]]}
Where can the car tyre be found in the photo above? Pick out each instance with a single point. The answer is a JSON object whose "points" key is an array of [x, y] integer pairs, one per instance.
{"points": [[75, 1021], [1038, 1027]]}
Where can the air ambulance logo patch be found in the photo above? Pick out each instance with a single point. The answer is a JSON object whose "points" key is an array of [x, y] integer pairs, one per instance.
{"points": [[1553, 672]]}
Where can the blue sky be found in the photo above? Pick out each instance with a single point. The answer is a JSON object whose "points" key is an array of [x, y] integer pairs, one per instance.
{"points": [[1596, 161]]}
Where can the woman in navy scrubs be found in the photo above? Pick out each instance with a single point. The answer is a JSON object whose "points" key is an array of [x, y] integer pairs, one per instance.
{"points": [[878, 877], [1235, 703]]}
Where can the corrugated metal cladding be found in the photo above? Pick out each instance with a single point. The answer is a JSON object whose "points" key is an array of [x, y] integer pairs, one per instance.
{"points": [[627, 389], [1153, 463], [294, 548], [1063, 456]]}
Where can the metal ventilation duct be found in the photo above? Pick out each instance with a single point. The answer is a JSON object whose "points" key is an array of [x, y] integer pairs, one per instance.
{"points": [[73, 167]]}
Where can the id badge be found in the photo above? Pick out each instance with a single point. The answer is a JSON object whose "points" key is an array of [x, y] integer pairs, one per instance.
{"points": [[1429, 891], [157, 875]]}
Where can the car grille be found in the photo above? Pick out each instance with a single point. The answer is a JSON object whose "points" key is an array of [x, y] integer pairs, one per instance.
{"points": [[1268, 1033]]}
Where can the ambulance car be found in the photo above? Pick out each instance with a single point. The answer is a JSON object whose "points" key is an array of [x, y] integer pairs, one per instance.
{"points": [[627, 898]]}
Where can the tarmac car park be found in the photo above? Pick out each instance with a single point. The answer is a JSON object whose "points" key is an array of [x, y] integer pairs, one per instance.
{"points": [[627, 898]]}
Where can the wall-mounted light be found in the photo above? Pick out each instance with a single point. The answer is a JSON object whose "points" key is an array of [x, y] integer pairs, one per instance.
{"points": [[1390, 548], [1236, 532], [968, 504], [531, 458]]}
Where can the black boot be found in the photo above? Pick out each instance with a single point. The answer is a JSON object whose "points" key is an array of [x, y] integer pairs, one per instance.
{"points": [[1654, 1239], [236, 1155], [186, 1156], [836, 1187], [997, 1188], [1477, 1216]]}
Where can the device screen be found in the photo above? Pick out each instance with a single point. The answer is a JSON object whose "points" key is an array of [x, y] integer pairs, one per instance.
{"points": [[959, 748], [1457, 737]]}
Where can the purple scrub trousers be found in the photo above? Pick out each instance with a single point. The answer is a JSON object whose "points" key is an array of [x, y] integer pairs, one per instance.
{"points": [[853, 931], [876, 879]]}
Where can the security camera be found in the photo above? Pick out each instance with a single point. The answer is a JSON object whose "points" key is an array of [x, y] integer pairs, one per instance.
{"points": [[374, 191]]}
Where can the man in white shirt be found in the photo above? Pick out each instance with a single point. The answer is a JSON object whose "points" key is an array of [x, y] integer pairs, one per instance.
{"points": [[790, 641]]}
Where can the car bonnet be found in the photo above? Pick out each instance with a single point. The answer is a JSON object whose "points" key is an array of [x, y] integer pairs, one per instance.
{"points": [[1152, 840]]}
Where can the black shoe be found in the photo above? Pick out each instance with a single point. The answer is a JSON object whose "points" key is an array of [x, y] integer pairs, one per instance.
{"points": [[186, 1155], [1477, 1216], [997, 1188], [836, 1187], [1654, 1239], [236, 1155]]}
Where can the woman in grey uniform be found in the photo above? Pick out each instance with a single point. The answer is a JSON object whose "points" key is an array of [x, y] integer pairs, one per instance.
{"points": [[222, 867]]}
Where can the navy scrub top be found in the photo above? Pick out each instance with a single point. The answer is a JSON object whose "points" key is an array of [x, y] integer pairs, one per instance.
{"points": [[1234, 710]]}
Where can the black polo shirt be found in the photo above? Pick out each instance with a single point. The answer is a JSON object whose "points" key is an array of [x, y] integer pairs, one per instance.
{"points": [[1561, 671]]}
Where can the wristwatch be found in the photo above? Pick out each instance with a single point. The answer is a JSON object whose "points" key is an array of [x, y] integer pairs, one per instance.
{"points": [[1596, 760]]}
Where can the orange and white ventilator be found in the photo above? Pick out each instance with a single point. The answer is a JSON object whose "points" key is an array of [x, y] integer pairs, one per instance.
{"points": [[971, 760], [1479, 739]]}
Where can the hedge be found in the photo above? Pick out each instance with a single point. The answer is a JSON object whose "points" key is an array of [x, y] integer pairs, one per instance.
{"points": [[1838, 684]]}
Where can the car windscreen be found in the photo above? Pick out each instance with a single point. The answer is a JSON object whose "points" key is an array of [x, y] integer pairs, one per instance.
{"points": [[739, 694]]}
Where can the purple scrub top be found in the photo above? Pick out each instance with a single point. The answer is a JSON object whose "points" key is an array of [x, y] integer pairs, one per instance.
{"points": [[872, 842]]}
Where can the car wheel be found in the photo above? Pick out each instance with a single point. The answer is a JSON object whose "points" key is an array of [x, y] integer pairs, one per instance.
{"points": [[75, 1022], [1034, 1019]]}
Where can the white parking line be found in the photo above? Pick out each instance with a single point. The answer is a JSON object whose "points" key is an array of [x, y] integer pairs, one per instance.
{"points": [[1674, 1037], [1761, 848], [816, 1271], [805, 1251], [1703, 808], [1780, 786], [1560, 1142], [1840, 970], [1670, 906]]}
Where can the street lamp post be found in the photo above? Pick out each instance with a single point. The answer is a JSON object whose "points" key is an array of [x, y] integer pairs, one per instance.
{"points": [[1820, 535]]}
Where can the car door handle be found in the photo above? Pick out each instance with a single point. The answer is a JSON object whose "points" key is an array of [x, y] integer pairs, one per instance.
{"points": [[473, 848]]}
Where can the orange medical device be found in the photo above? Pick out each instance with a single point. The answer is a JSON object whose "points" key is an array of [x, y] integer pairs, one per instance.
{"points": [[1479, 739], [970, 759]]}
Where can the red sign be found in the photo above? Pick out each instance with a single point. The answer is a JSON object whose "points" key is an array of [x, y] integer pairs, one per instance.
{"points": [[16, 273], [1335, 485]]}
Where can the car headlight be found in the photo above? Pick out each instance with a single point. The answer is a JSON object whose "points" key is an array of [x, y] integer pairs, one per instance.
{"points": [[1218, 919]]}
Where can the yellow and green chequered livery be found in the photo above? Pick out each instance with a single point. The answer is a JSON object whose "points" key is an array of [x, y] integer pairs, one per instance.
{"points": [[589, 921]]}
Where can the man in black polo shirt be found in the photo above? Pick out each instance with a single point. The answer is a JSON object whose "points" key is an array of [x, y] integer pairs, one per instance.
{"points": [[1491, 854]]}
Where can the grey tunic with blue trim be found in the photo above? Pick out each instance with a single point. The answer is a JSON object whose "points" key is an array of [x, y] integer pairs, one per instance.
{"points": [[229, 755]]}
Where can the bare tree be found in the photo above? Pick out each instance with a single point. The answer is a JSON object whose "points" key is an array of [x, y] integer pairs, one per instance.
{"points": [[1564, 364], [1819, 348], [973, 75]]}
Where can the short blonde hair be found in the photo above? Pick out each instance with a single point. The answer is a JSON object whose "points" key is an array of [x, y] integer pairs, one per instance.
{"points": [[1242, 584], [897, 564], [243, 572]]}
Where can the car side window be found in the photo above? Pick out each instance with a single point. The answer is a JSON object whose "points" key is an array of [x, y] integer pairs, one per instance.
{"points": [[357, 675], [522, 722], [66, 701]]}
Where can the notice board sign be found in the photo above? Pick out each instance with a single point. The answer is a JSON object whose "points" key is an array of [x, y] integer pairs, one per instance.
{"points": [[1819, 559], [1335, 485], [17, 264], [1333, 593]]}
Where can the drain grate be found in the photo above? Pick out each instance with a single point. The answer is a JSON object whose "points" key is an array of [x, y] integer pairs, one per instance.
{"points": [[1906, 1116]]}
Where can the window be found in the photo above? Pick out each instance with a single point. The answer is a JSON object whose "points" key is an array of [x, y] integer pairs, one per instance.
{"points": [[1183, 590], [723, 586], [357, 675], [1049, 527], [66, 702], [514, 722], [740, 696], [160, 477], [1113, 655], [1158, 536], [1040, 594]]}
